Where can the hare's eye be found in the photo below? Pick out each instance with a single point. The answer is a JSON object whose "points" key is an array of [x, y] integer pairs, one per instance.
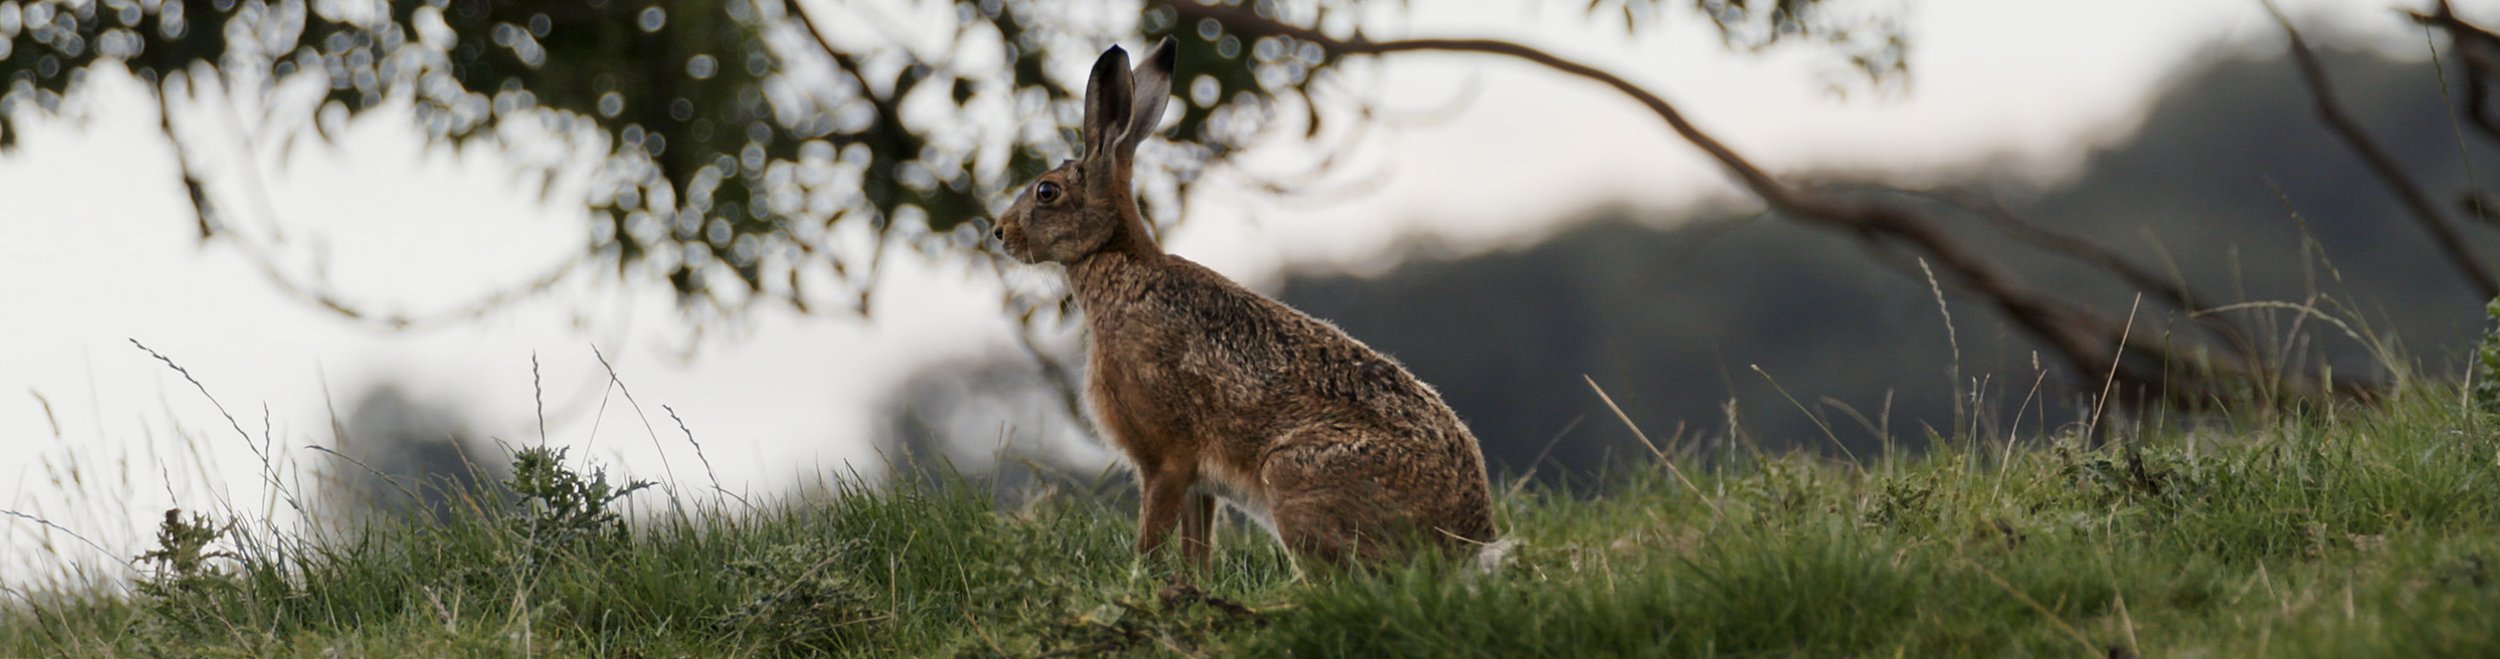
{"points": [[1047, 192]]}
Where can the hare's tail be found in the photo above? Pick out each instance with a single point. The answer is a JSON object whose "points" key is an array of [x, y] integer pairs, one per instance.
{"points": [[1491, 556]]}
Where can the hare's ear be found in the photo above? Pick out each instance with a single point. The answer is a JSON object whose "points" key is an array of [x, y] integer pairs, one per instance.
{"points": [[1153, 91], [1107, 99]]}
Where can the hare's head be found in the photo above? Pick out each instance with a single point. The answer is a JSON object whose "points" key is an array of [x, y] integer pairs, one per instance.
{"points": [[1084, 206]]}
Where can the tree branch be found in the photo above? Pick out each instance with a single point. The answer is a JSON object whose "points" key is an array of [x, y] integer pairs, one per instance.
{"points": [[2479, 49], [2443, 232], [204, 213], [2091, 343]]}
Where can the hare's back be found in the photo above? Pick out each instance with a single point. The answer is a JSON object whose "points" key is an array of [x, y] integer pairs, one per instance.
{"points": [[1315, 371]]}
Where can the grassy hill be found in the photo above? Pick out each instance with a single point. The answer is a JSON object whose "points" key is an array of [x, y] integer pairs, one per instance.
{"points": [[2352, 532]]}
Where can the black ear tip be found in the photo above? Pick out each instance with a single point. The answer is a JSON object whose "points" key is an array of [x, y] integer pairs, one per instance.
{"points": [[1166, 53], [1112, 60]]}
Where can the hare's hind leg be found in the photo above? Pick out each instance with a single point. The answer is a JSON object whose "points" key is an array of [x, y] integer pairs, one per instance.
{"points": [[1313, 531], [1328, 507]]}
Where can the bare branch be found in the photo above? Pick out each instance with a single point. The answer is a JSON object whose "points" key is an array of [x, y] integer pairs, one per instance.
{"points": [[2442, 230], [191, 182], [206, 215], [2089, 342], [2479, 49]]}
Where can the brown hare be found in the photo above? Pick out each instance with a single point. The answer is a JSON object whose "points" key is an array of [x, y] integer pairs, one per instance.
{"points": [[1210, 389]]}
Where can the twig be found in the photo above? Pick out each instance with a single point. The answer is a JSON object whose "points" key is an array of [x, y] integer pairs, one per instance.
{"points": [[1953, 340], [538, 398], [1522, 483], [2101, 403], [707, 461], [268, 468], [1063, 382], [47, 411], [201, 211], [377, 473], [63, 529], [619, 383], [195, 383], [1662, 456], [1819, 423]]}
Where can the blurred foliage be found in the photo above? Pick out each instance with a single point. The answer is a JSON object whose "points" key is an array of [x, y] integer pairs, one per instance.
{"points": [[1873, 43], [726, 140], [1867, 34]]}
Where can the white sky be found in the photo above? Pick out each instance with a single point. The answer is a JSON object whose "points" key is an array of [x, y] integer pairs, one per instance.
{"points": [[99, 248]]}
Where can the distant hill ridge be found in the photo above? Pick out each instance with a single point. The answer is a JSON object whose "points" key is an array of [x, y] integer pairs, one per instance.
{"points": [[1671, 322]]}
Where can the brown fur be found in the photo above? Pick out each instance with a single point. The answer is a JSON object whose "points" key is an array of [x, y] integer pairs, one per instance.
{"points": [[1211, 389]]}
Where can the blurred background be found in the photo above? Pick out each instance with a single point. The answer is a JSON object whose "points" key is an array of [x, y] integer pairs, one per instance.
{"points": [[255, 254]]}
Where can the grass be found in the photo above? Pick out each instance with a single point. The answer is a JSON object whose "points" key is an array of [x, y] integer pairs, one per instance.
{"points": [[2372, 532]]}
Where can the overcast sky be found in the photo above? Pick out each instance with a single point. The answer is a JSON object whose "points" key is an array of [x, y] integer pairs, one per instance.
{"points": [[100, 247]]}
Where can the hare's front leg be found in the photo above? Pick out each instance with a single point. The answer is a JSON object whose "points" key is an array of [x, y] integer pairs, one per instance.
{"points": [[1164, 491], [1198, 529]]}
